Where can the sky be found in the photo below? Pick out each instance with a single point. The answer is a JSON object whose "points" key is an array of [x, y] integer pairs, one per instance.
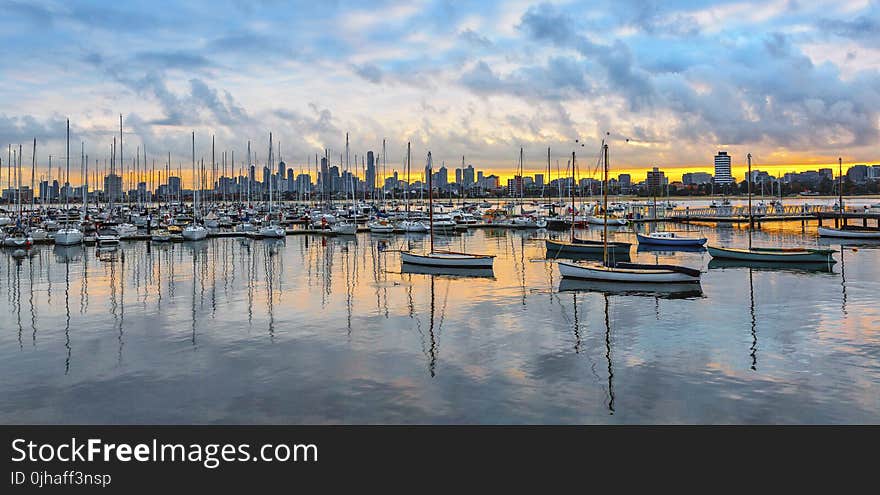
{"points": [[795, 83]]}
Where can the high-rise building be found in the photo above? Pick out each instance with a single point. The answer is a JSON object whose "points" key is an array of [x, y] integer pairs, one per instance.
{"points": [[722, 168], [655, 179], [539, 180], [113, 187], [695, 178], [458, 178], [370, 174], [173, 186], [467, 176], [857, 173], [441, 177]]}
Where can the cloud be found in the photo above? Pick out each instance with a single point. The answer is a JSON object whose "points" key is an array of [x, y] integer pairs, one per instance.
{"points": [[474, 38], [370, 72]]}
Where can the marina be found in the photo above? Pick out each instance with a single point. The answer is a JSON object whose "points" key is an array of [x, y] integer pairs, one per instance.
{"points": [[317, 328]]}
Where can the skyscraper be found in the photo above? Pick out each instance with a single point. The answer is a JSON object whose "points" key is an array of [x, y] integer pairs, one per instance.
{"points": [[655, 180], [370, 175], [467, 176], [722, 168]]}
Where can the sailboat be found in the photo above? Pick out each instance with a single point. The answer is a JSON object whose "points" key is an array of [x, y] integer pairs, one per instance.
{"points": [[444, 259], [577, 246], [846, 231], [19, 238], [272, 230], [68, 235], [620, 271], [408, 224], [344, 227], [796, 255], [195, 231]]}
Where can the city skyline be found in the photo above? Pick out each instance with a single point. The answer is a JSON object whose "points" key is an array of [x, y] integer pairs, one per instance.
{"points": [[477, 79]]}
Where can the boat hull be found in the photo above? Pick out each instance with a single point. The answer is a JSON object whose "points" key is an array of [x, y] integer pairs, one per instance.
{"points": [[674, 241], [849, 233], [448, 260], [195, 234], [273, 232], [344, 229], [68, 237], [591, 271], [757, 254]]}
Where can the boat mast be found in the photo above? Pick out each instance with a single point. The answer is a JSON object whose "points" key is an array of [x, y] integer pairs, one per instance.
{"points": [[195, 203], [430, 172], [33, 173], [407, 178], [840, 189], [67, 178], [605, 203], [571, 190], [749, 188]]}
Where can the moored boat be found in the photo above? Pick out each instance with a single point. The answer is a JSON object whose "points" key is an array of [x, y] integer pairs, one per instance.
{"points": [[849, 232], [796, 255], [669, 239], [629, 272]]}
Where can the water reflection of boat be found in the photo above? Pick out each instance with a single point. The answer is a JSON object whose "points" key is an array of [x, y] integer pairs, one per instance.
{"points": [[863, 243], [65, 254], [448, 271], [665, 291], [715, 264]]}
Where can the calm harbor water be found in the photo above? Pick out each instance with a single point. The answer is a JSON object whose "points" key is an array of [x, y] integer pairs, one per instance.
{"points": [[329, 330]]}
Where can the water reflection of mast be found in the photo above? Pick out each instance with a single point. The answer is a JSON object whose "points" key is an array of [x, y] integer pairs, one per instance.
{"points": [[17, 300], [577, 330], [270, 289], [608, 357], [432, 349], [84, 287], [348, 289], [842, 281], [754, 347], [67, 316], [193, 305], [31, 301], [121, 304]]}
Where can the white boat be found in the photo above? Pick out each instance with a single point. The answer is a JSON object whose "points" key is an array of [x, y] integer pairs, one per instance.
{"points": [[448, 259], [602, 221], [344, 228], [38, 234], [413, 226], [161, 236], [850, 233], [245, 227], [194, 232], [107, 237], [669, 239], [610, 271], [445, 259], [273, 231], [381, 227], [68, 236], [628, 272], [5, 220], [18, 240], [523, 223], [126, 230]]}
